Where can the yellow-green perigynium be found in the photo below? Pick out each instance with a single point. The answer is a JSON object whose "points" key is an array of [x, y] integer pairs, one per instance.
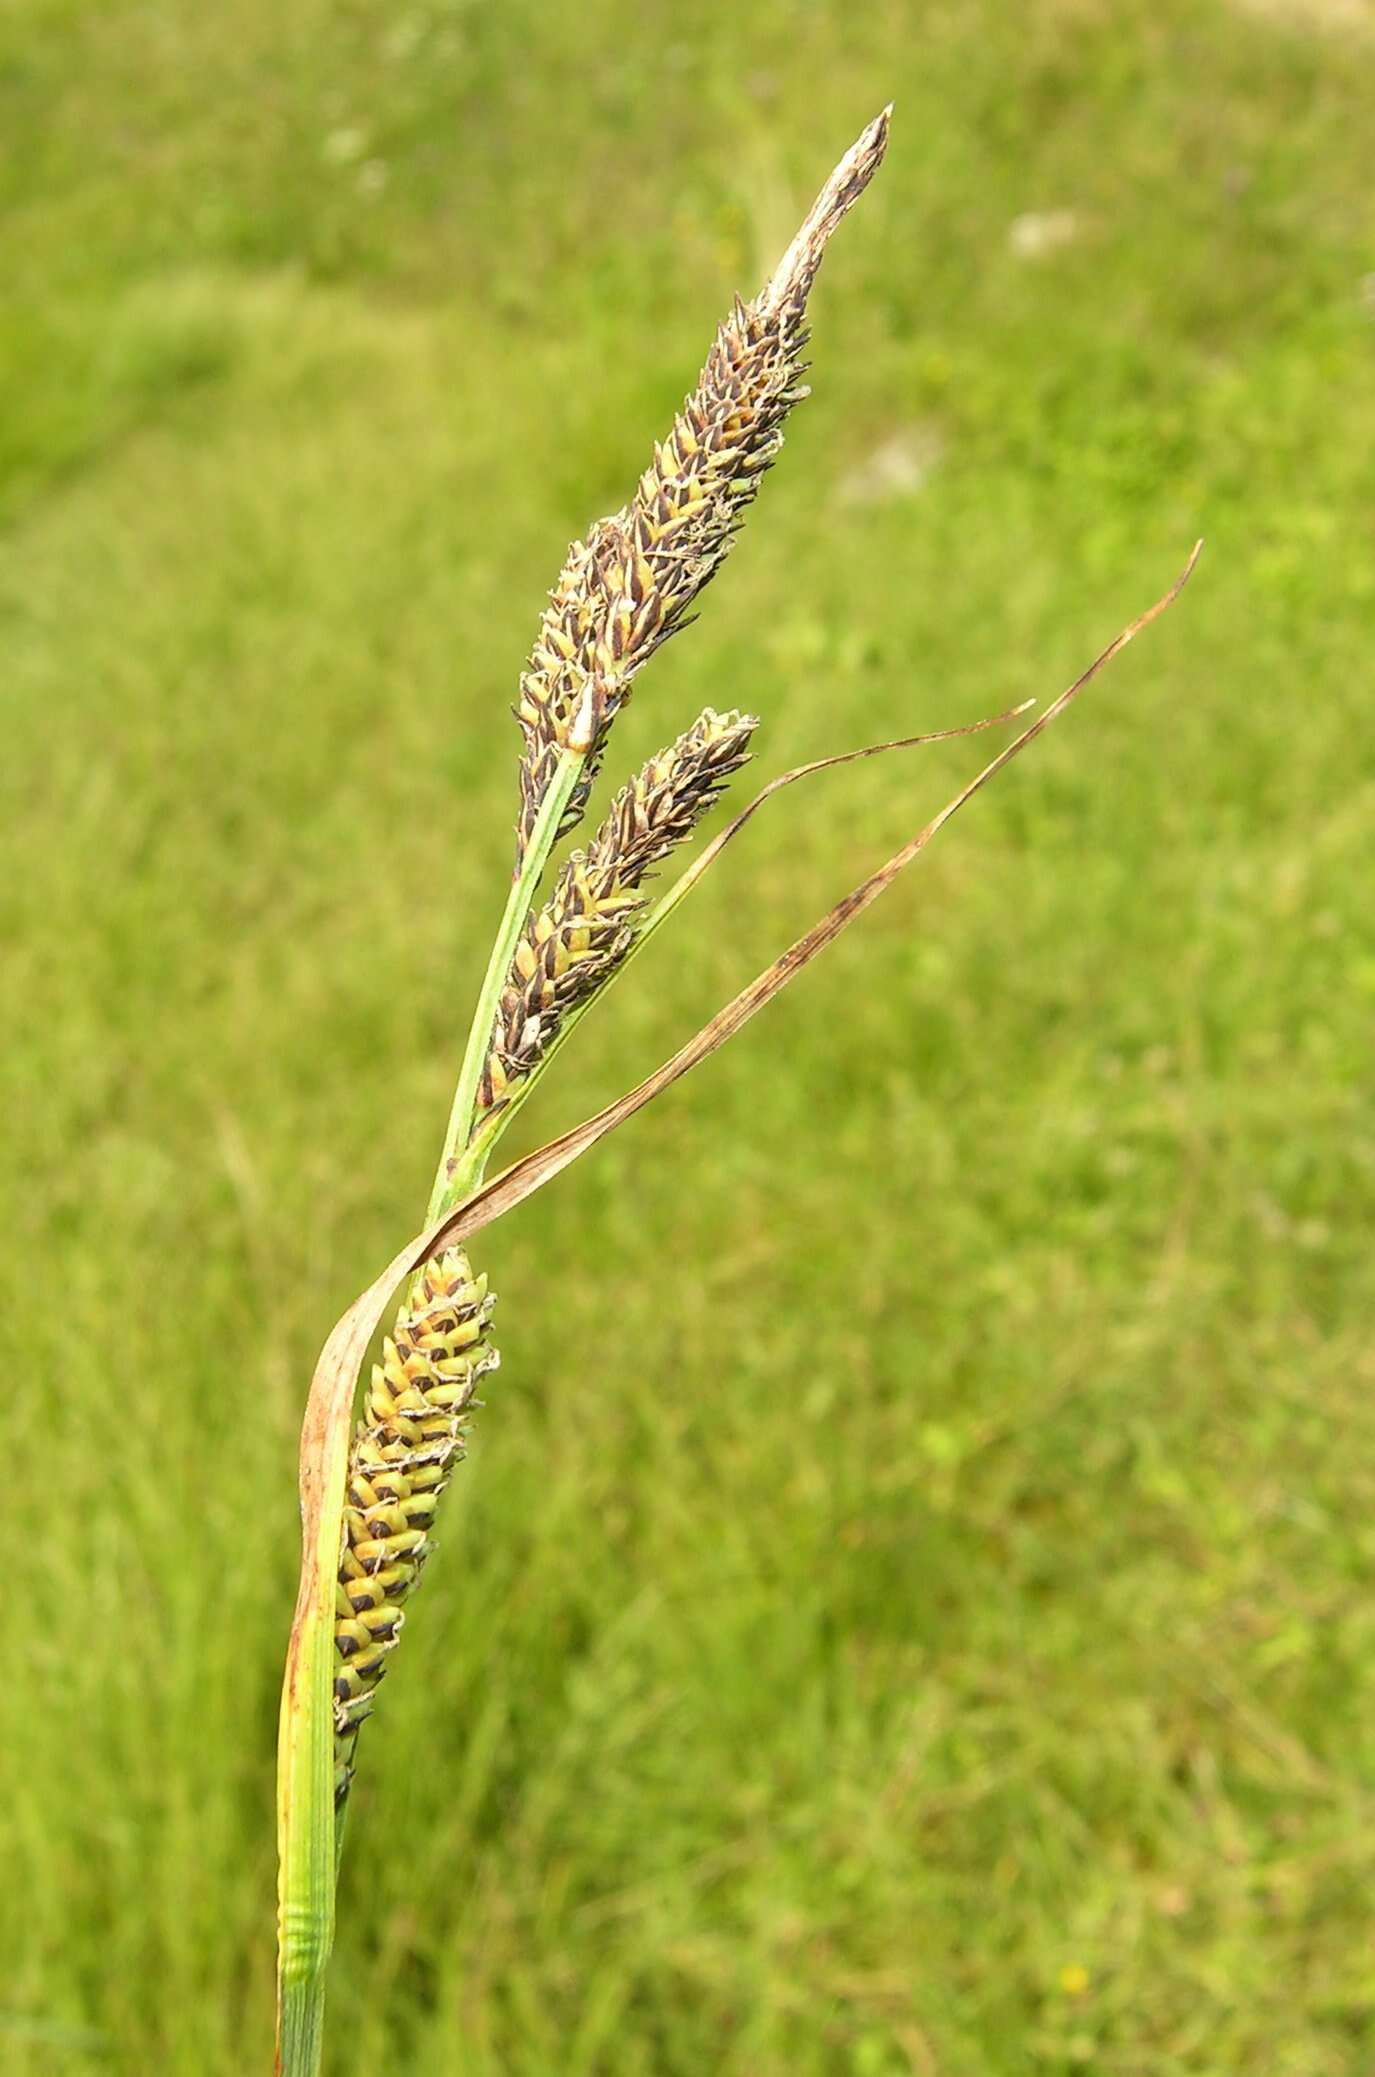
{"points": [[409, 1436]]}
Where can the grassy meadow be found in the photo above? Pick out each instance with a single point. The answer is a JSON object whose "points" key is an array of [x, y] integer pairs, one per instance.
{"points": [[911, 1604]]}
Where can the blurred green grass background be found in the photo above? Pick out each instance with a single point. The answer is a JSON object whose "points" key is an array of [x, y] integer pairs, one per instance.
{"points": [[909, 1608]]}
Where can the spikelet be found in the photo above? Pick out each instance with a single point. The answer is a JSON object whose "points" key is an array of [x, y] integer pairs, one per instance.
{"points": [[572, 945], [632, 583], [408, 1438]]}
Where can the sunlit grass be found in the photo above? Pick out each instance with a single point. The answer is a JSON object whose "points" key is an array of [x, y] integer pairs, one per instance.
{"points": [[918, 1605]]}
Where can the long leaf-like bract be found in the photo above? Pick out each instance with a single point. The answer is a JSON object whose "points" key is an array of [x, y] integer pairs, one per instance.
{"points": [[305, 1815], [688, 879]]}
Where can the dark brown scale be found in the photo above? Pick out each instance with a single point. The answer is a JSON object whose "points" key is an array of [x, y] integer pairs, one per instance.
{"points": [[679, 525]]}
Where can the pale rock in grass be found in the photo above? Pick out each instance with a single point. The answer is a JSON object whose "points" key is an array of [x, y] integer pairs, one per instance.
{"points": [[896, 468], [1039, 232], [1323, 17]]}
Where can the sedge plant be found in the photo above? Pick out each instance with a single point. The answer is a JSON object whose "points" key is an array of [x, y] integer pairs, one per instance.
{"points": [[372, 1487]]}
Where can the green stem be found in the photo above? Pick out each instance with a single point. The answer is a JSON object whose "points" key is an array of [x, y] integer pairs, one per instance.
{"points": [[307, 1836], [302, 2033], [450, 1182]]}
